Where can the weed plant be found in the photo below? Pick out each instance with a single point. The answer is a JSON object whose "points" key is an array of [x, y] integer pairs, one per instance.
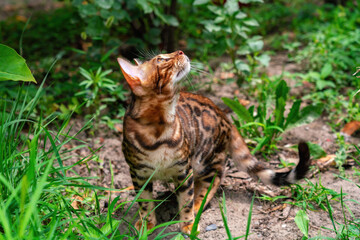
{"points": [[265, 126]]}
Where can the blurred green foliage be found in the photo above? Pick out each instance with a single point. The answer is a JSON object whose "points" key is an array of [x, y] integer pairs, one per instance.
{"points": [[323, 38]]}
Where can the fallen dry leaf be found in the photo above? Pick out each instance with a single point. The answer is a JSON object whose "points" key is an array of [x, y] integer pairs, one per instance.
{"points": [[76, 204], [20, 18], [276, 208], [244, 102], [85, 45], [350, 128], [323, 163], [227, 75], [121, 190], [326, 161]]}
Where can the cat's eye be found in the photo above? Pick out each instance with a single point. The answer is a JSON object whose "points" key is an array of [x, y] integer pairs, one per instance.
{"points": [[160, 60]]}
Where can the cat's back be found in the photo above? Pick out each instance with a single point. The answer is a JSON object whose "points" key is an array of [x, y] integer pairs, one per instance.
{"points": [[204, 124], [200, 105]]}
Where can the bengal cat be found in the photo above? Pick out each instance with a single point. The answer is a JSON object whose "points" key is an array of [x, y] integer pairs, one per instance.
{"points": [[184, 137]]}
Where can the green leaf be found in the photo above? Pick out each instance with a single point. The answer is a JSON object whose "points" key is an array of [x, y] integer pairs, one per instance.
{"points": [[109, 227], [307, 115], [212, 27], [252, 23], [250, 1], [321, 84], [200, 2], [260, 145], [145, 6], [240, 15], [239, 109], [326, 70], [13, 66], [316, 151], [230, 43], [86, 10], [231, 6], [281, 93], [256, 45], [264, 59], [168, 19], [293, 115], [302, 221], [96, 27], [105, 4], [242, 66], [109, 21], [178, 237]]}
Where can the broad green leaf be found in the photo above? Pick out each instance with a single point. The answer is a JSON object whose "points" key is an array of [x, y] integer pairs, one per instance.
{"points": [[106, 4], [96, 27], [231, 6], [109, 227], [307, 115], [242, 66], [250, 1], [240, 15], [282, 90], [86, 10], [200, 2], [321, 84], [326, 70], [281, 94], [178, 237], [215, 9], [230, 43], [293, 115], [13, 66], [212, 27], [302, 221], [256, 45], [168, 19], [145, 6], [264, 59], [239, 109], [316, 151], [252, 23]]}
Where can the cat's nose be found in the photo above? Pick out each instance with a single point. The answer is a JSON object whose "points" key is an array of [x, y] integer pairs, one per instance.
{"points": [[180, 52]]}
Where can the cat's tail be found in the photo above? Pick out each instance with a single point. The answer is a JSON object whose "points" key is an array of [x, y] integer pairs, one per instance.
{"points": [[247, 162]]}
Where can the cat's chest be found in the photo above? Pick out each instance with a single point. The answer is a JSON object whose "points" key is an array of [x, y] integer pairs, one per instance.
{"points": [[166, 162]]}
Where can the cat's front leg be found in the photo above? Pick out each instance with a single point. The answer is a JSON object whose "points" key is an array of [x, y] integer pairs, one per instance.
{"points": [[147, 213], [185, 196]]}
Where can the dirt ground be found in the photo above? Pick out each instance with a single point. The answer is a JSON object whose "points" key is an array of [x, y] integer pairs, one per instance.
{"points": [[269, 220]]}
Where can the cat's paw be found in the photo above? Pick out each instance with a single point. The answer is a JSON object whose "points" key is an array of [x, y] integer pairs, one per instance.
{"points": [[187, 228], [149, 225]]}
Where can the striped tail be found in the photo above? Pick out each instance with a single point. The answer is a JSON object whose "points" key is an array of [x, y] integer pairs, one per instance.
{"points": [[246, 162]]}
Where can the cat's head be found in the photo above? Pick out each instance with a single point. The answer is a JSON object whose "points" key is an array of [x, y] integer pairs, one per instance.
{"points": [[160, 75]]}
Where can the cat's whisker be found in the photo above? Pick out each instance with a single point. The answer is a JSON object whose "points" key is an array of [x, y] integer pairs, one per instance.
{"points": [[147, 54], [188, 78], [201, 71]]}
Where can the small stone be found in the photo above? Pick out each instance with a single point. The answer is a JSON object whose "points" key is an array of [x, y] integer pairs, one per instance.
{"points": [[283, 226], [211, 227]]}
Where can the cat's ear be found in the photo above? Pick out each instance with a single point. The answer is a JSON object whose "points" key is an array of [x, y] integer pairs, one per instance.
{"points": [[132, 73], [137, 61]]}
